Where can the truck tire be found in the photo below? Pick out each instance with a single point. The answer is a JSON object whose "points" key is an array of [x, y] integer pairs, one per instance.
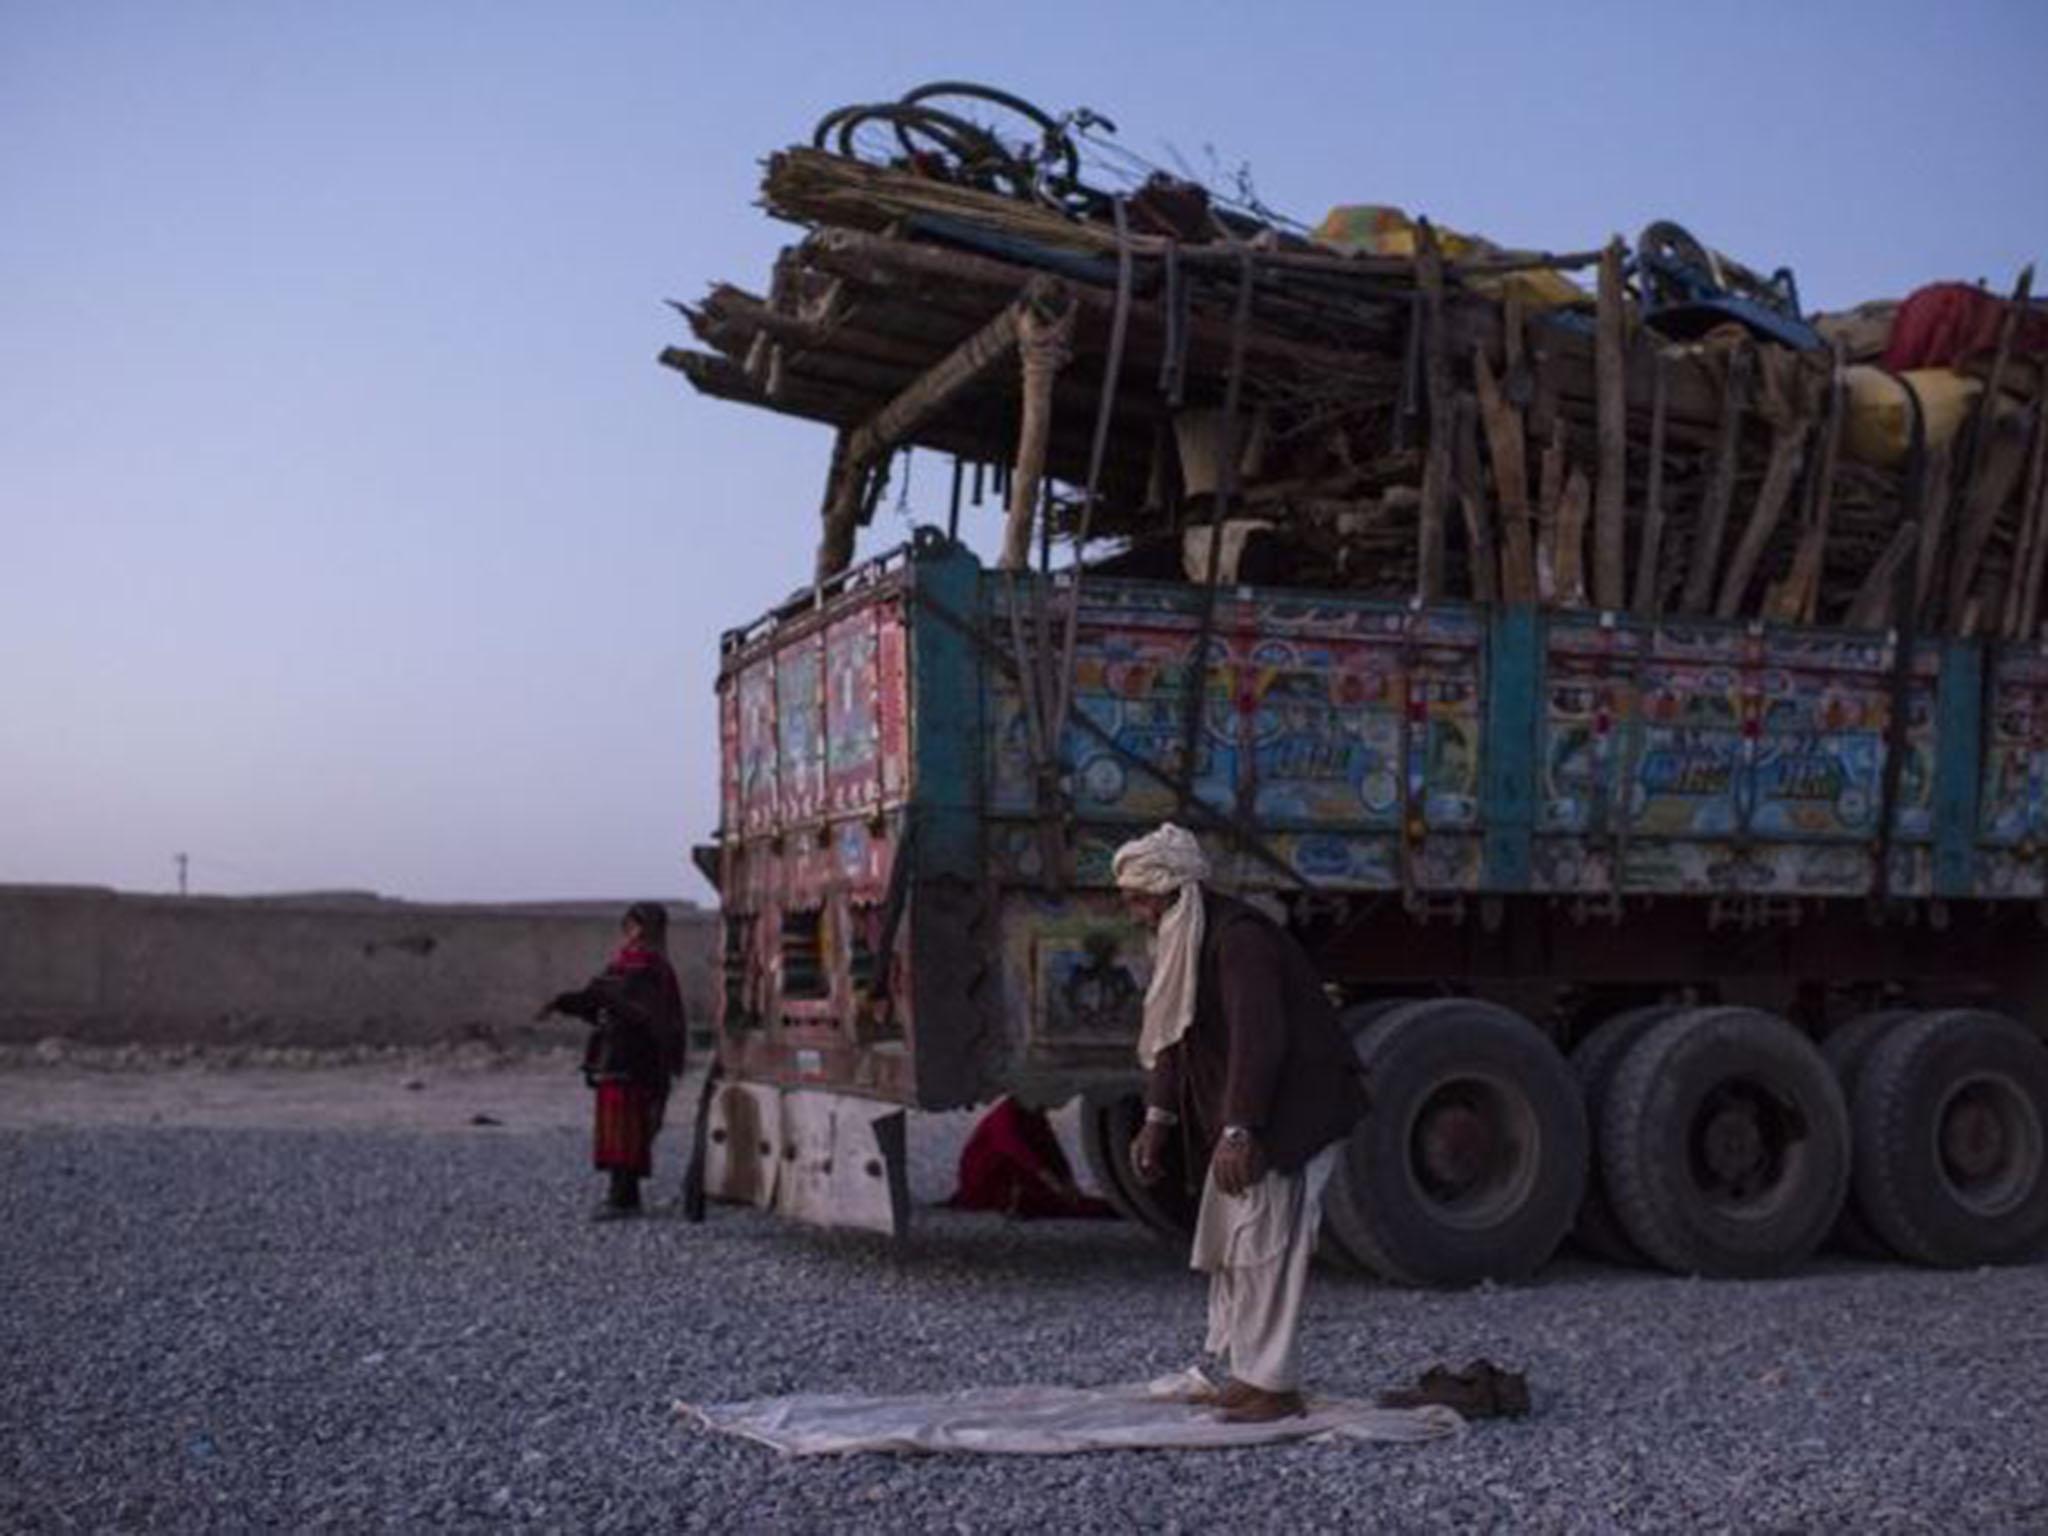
{"points": [[1168, 1207], [1471, 1162], [1845, 1049], [1726, 1144], [1951, 1124], [1593, 1060], [1106, 1167], [1360, 1017], [1330, 1244]]}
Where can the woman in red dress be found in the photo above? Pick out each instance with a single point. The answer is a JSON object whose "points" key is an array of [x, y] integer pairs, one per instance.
{"points": [[1013, 1163]]}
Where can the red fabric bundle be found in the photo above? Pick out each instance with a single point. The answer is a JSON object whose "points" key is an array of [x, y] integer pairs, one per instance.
{"points": [[1943, 323]]}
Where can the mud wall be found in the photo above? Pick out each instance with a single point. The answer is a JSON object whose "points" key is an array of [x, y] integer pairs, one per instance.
{"points": [[98, 965]]}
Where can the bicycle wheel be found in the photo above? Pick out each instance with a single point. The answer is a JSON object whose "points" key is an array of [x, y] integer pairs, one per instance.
{"points": [[1025, 133], [821, 136], [891, 132], [919, 131], [1665, 244]]}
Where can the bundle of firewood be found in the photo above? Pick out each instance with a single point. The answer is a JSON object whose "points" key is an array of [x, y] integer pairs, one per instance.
{"points": [[1413, 425]]}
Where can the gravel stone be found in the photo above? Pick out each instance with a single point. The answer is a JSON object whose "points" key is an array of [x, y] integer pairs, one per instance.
{"points": [[380, 1329]]}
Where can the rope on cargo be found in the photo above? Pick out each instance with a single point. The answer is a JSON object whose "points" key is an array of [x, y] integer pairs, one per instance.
{"points": [[1226, 484], [1173, 357], [1098, 451], [1044, 344], [1230, 825], [1905, 642], [1049, 699]]}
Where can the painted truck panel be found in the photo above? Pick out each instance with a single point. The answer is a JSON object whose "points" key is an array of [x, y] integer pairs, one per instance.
{"points": [[916, 866]]}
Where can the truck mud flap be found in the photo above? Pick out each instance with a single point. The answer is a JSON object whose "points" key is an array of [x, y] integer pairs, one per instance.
{"points": [[829, 1159]]}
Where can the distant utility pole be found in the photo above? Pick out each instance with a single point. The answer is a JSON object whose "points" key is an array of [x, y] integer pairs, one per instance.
{"points": [[182, 860]]}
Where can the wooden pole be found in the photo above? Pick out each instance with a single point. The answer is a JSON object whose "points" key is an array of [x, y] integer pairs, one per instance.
{"points": [[1997, 473], [1436, 470], [1872, 606], [1788, 601], [2036, 512], [1573, 504], [1788, 452], [1549, 503], [938, 386], [1505, 441], [923, 398], [1932, 515], [1479, 549], [1987, 403], [900, 265], [1977, 509], [1816, 550], [1043, 343], [1713, 523], [1516, 383], [1610, 581], [844, 487], [2027, 533], [1649, 585]]}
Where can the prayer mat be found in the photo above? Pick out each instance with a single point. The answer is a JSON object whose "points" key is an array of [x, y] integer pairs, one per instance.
{"points": [[1049, 1421]]}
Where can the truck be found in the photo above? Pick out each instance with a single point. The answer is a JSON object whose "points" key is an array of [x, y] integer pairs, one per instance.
{"points": [[1697, 933]]}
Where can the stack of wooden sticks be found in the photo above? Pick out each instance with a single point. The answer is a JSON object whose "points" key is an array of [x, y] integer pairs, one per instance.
{"points": [[1414, 425]]}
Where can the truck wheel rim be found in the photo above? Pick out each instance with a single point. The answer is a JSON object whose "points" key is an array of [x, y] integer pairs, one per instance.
{"points": [[1472, 1151], [1744, 1148], [1987, 1145]]}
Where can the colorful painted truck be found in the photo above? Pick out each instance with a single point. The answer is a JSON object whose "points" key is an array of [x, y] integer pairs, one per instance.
{"points": [[1630, 689], [1700, 940]]}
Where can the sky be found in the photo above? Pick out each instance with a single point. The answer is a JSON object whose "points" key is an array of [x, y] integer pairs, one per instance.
{"points": [[351, 536]]}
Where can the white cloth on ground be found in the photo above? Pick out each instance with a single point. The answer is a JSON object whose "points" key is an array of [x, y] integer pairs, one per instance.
{"points": [[1049, 1421], [1167, 862], [1256, 1249]]}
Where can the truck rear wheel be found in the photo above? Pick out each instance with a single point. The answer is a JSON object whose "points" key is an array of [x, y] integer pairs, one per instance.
{"points": [[1167, 1207], [1106, 1167], [1330, 1244], [1471, 1162], [1593, 1060], [1726, 1144], [1951, 1124], [1360, 1017], [1845, 1050]]}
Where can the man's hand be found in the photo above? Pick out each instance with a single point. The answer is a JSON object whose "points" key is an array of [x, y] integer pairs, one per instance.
{"points": [[1148, 1152], [1238, 1164]]}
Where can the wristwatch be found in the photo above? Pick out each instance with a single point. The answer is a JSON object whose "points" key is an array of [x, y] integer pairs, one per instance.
{"points": [[1236, 1133]]}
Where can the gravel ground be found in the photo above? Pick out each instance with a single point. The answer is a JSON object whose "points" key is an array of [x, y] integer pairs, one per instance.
{"points": [[236, 1325]]}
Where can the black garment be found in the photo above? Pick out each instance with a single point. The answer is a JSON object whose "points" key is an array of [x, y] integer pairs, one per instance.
{"points": [[637, 1029], [1264, 1050]]}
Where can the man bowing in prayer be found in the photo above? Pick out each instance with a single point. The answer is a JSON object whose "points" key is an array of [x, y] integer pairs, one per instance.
{"points": [[1246, 1062]]}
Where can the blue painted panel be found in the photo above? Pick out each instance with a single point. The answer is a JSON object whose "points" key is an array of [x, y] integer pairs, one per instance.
{"points": [[1959, 727], [1684, 758], [945, 717], [2013, 812], [1514, 659]]}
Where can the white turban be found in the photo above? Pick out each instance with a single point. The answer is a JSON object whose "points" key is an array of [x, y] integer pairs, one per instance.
{"points": [[1168, 862], [1161, 862]]}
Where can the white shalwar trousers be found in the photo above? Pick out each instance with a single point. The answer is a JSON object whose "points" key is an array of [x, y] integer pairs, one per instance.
{"points": [[1255, 1248]]}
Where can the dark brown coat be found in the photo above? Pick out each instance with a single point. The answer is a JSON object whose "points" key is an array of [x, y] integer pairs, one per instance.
{"points": [[1264, 1050]]}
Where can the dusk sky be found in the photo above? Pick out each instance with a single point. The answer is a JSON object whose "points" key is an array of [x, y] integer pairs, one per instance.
{"points": [[353, 536]]}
